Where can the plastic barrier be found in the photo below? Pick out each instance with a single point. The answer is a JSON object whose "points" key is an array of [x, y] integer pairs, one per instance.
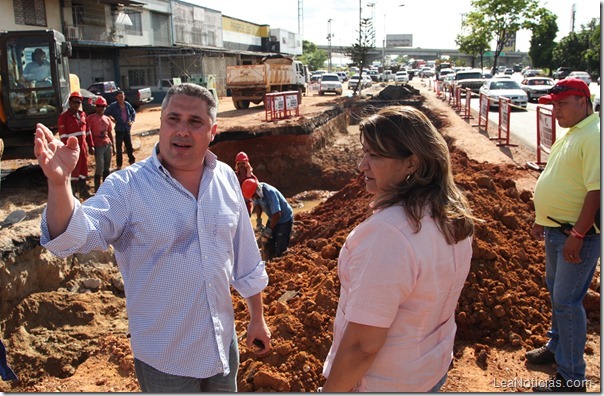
{"points": [[546, 136], [505, 110], [483, 112], [457, 98], [467, 111], [438, 88], [280, 105]]}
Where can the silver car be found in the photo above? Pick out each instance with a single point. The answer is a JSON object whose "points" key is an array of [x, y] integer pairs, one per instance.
{"points": [[581, 75]]}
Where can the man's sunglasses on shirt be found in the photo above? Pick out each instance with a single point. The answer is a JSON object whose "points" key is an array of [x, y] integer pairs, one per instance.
{"points": [[559, 89]]}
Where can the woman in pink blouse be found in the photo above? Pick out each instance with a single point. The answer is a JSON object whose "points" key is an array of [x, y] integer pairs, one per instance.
{"points": [[402, 270]]}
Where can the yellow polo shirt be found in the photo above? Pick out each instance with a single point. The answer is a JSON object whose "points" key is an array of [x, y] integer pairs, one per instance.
{"points": [[572, 170]]}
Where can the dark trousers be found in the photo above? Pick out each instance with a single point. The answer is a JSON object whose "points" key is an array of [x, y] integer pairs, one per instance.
{"points": [[126, 139], [280, 239]]}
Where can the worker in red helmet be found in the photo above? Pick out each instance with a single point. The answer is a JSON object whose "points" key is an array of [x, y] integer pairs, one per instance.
{"points": [[244, 171], [101, 129], [73, 122], [269, 200]]}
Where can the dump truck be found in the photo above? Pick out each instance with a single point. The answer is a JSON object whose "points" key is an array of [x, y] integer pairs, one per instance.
{"points": [[250, 83], [28, 97]]}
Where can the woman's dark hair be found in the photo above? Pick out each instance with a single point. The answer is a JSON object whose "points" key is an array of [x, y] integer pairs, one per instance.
{"points": [[400, 132]]}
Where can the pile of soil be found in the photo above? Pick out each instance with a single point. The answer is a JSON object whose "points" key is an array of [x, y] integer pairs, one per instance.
{"points": [[74, 337]]}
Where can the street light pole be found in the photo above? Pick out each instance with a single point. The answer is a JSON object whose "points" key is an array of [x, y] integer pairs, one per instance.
{"points": [[329, 36]]}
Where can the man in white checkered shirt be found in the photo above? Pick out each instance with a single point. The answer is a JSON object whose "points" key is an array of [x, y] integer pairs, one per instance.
{"points": [[181, 235]]}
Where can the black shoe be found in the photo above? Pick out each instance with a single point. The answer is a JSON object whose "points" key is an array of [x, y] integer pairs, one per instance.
{"points": [[557, 383], [540, 356]]}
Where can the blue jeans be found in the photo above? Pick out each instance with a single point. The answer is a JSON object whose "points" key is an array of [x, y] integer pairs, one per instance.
{"points": [[155, 381], [567, 284], [102, 158]]}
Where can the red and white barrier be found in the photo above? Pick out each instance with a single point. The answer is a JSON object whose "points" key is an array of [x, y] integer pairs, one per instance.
{"points": [[546, 135], [280, 105]]}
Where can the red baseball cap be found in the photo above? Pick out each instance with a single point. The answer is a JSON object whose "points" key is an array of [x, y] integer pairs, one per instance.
{"points": [[564, 89]]}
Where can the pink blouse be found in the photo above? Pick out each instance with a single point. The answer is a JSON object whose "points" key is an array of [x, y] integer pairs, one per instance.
{"points": [[410, 283]]}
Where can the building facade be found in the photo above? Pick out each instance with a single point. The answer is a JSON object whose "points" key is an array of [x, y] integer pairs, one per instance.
{"points": [[139, 42]]}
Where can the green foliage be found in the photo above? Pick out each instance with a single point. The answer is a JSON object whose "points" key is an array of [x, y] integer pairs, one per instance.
{"points": [[542, 42], [581, 50], [359, 51], [474, 44], [312, 56], [502, 18]]}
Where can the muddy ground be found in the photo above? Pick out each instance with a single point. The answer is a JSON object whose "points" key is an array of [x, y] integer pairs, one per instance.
{"points": [[64, 321]]}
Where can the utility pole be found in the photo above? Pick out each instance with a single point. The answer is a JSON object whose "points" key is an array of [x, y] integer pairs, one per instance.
{"points": [[573, 12], [300, 17], [360, 19], [329, 36]]}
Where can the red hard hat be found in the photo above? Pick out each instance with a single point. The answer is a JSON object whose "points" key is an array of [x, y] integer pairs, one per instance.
{"points": [[241, 156], [249, 187], [76, 94], [100, 101]]}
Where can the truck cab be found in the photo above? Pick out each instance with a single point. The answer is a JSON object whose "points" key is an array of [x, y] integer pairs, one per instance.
{"points": [[35, 85]]}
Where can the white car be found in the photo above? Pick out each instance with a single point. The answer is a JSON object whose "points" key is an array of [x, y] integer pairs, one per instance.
{"points": [[330, 82], [495, 88], [536, 87], [400, 77], [354, 81], [581, 75]]}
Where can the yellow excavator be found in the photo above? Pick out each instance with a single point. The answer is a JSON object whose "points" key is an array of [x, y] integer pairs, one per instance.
{"points": [[35, 84]]}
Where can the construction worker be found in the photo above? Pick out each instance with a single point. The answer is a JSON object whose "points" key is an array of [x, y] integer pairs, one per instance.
{"points": [[244, 171], [72, 122], [100, 127], [269, 200]]}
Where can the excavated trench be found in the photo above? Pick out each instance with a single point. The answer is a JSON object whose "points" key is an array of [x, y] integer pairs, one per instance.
{"points": [[56, 314]]}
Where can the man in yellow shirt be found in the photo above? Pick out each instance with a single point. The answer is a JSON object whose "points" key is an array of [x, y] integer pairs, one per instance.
{"points": [[567, 204]]}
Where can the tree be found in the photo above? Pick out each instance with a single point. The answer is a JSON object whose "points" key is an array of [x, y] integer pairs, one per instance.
{"points": [[580, 51], [502, 18], [474, 44], [312, 56], [542, 42], [359, 52]]}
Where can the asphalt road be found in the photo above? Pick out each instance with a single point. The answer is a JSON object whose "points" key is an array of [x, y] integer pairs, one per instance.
{"points": [[523, 123]]}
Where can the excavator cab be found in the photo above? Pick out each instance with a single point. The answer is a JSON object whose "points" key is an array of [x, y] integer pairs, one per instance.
{"points": [[35, 83]]}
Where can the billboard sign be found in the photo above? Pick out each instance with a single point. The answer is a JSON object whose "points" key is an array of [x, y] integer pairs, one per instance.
{"points": [[399, 40]]}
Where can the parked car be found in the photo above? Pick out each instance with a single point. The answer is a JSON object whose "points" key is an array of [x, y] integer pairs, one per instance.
{"points": [[494, 89], [533, 73], [426, 72], [315, 78], [562, 72], [108, 89], [443, 72], [375, 75], [470, 78], [447, 81], [581, 75], [536, 87], [400, 77], [343, 76], [88, 101], [330, 82], [354, 81]]}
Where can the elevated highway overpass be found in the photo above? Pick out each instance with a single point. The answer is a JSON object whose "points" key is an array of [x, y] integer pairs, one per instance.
{"points": [[506, 58]]}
